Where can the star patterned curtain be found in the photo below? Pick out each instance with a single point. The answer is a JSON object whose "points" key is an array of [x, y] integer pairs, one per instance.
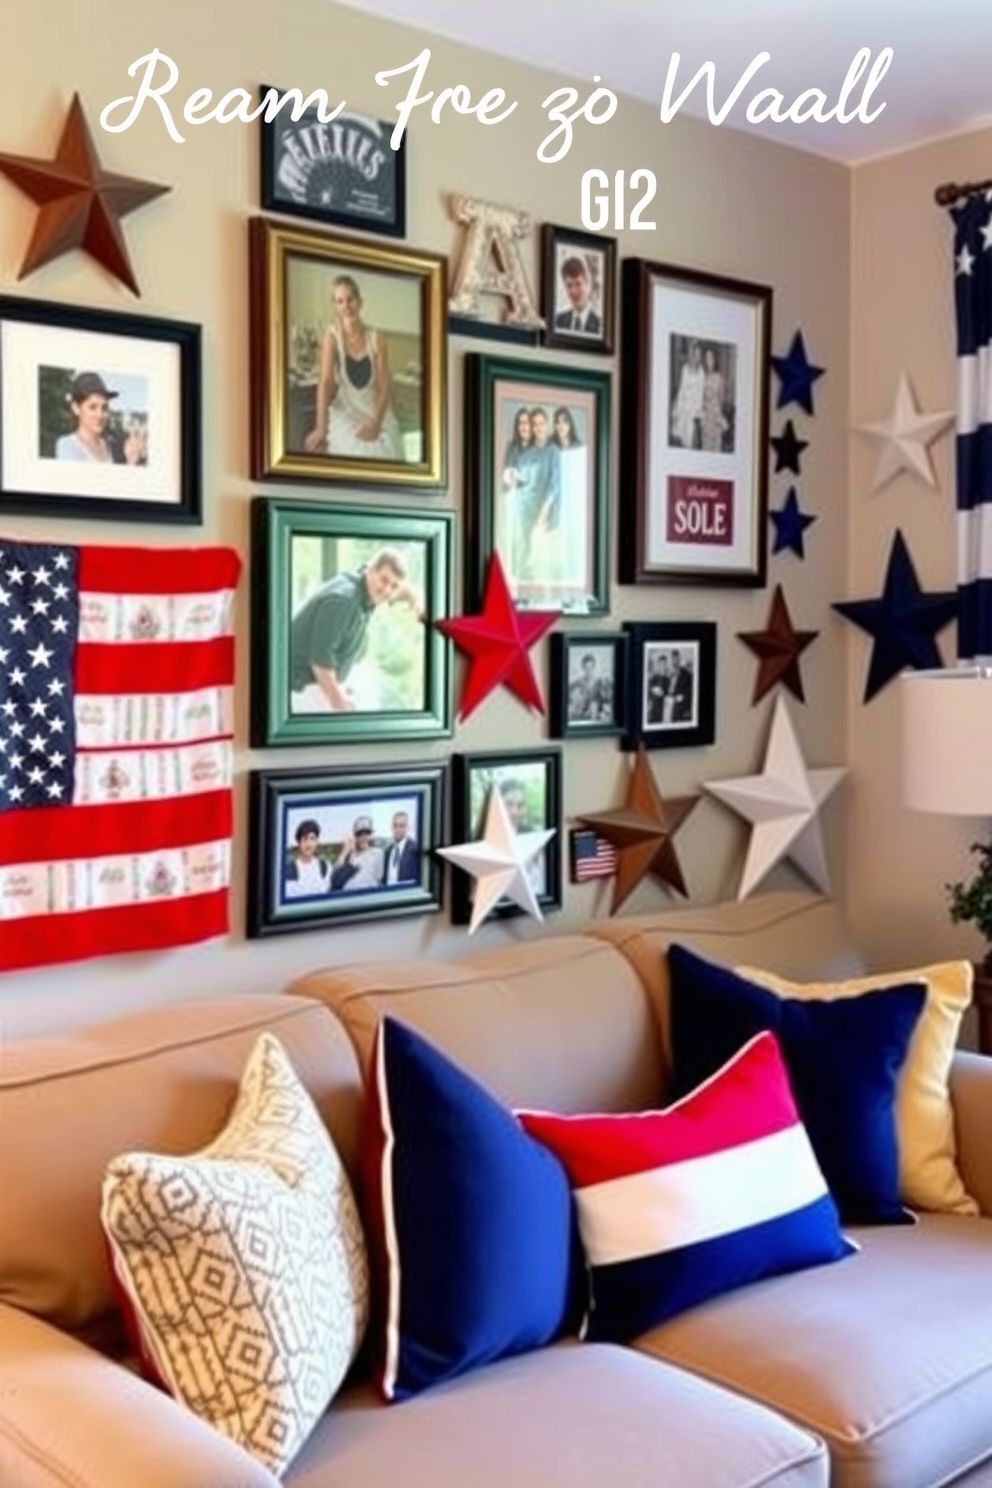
{"points": [[972, 218]]}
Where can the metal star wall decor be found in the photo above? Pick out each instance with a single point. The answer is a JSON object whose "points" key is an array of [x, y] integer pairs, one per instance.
{"points": [[642, 831], [903, 622], [796, 375], [783, 806], [498, 643], [788, 449], [906, 437], [499, 861], [790, 523], [778, 648], [80, 204]]}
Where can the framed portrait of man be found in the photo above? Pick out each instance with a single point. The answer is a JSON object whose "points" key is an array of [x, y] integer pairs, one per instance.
{"points": [[588, 684], [344, 643], [578, 289]]}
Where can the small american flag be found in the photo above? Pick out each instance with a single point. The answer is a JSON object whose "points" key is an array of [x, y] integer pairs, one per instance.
{"points": [[592, 856], [116, 682]]}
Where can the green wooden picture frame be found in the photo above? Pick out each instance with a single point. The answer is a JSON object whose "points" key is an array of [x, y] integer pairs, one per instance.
{"points": [[539, 496], [344, 646]]}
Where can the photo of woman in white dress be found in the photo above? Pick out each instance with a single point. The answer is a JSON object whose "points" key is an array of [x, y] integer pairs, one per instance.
{"points": [[354, 413]]}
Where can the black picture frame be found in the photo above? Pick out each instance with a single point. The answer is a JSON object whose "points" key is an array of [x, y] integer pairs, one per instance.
{"points": [[282, 570], [154, 469], [583, 706], [673, 719], [576, 580], [340, 161], [597, 254], [282, 803], [694, 412], [472, 776]]}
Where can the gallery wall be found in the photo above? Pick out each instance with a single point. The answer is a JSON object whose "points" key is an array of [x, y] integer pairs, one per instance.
{"points": [[727, 203]]}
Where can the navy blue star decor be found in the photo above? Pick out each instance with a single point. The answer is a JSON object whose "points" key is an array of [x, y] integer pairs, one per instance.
{"points": [[796, 375], [903, 622], [788, 448], [790, 523]]}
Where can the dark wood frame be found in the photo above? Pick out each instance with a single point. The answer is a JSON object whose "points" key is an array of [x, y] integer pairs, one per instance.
{"points": [[353, 221], [187, 509], [268, 789], [671, 633], [271, 244], [562, 643], [275, 522], [638, 277], [552, 234], [464, 829], [482, 375]]}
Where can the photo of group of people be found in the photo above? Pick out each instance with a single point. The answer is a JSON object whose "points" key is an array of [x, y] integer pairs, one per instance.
{"points": [[591, 685], [349, 847], [671, 686], [703, 375]]}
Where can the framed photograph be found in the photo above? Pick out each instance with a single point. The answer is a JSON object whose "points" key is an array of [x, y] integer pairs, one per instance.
{"points": [[344, 647], [348, 359], [671, 697], [344, 173], [537, 444], [327, 846], [99, 414], [588, 685], [578, 289], [694, 427], [530, 784]]}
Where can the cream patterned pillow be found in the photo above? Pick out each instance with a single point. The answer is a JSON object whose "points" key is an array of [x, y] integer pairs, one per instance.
{"points": [[245, 1264]]}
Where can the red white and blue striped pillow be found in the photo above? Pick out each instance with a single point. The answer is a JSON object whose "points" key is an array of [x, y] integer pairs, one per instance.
{"points": [[679, 1205]]}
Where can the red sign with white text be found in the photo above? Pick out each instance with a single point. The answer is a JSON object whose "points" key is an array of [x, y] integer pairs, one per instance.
{"points": [[700, 511]]}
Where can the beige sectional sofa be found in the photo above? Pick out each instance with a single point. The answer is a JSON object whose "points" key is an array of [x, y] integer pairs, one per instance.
{"points": [[876, 1373]]}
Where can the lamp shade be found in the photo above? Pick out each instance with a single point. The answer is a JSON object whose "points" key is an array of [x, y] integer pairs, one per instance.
{"points": [[947, 741]]}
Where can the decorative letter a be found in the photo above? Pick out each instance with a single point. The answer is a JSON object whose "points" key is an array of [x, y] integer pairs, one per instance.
{"points": [[490, 262]]}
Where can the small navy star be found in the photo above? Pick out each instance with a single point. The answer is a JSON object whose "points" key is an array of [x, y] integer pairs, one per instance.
{"points": [[903, 622], [790, 523], [796, 374], [788, 448]]}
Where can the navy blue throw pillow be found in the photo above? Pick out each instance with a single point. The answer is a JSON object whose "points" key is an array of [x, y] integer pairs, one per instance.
{"points": [[481, 1246], [843, 1057]]}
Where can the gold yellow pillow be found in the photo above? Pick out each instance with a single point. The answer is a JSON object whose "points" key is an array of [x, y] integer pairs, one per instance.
{"points": [[928, 1171]]}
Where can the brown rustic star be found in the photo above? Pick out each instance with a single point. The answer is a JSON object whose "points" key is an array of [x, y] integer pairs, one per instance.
{"points": [[778, 648], [80, 204], [642, 831]]}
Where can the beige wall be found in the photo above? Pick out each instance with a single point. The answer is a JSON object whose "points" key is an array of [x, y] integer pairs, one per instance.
{"points": [[727, 202], [902, 319]]}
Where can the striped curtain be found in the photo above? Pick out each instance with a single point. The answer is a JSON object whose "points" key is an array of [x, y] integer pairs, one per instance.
{"points": [[972, 217]]}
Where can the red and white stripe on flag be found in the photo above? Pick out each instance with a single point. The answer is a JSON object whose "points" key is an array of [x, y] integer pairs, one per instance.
{"points": [[592, 856], [116, 723]]}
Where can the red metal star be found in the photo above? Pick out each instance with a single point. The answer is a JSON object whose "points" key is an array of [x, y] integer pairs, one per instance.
{"points": [[80, 203], [498, 643], [778, 648]]}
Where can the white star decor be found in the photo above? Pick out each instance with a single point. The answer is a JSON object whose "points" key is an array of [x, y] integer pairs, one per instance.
{"points": [[499, 862], [906, 438], [783, 806]]}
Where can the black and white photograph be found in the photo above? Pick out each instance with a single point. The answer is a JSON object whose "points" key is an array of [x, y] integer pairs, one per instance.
{"points": [[530, 785], [578, 289], [704, 375], [334, 844], [99, 414], [343, 171], [588, 684], [672, 684]]}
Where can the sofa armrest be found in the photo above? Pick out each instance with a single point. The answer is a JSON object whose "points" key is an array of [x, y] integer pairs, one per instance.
{"points": [[971, 1096], [71, 1418]]}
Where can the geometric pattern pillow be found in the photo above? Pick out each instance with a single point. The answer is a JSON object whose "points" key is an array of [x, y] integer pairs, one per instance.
{"points": [[244, 1264], [680, 1205], [928, 1171]]}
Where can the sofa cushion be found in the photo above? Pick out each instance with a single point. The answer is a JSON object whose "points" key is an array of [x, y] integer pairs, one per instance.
{"points": [[244, 1264], [888, 1358], [474, 1217], [928, 1173], [572, 1416], [843, 1058], [679, 1205]]}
